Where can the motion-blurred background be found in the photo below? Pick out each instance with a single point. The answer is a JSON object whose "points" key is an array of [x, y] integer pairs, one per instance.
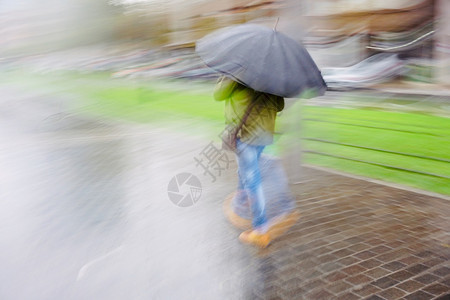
{"points": [[410, 37], [103, 103]]}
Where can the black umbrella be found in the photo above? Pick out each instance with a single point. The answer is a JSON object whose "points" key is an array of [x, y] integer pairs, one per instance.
{"points": [[261, 58]]}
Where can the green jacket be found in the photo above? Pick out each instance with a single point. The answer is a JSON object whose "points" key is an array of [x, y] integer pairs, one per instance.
{"points": [[260, 124]]}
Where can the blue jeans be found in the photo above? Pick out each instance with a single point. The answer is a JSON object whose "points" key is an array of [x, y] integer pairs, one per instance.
{"points": [[250, 180]]}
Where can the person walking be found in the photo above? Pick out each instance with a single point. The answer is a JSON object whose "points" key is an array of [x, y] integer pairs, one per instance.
{"points": [[251, 116], [259, 66]]}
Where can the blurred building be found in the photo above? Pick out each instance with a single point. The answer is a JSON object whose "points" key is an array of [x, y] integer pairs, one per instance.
{"points": [[338, 33], [190, 21], [442, 43], [35, 27]]}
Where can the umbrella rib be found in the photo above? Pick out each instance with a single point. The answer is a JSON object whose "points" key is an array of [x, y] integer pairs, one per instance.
{"points": [[268, 52]]}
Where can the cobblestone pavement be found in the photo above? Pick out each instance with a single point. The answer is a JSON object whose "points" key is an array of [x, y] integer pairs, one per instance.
{"points": [[359, 240], [85, 214]]}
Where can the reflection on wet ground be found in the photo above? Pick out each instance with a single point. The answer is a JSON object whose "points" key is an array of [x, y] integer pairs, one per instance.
{"points": [[86, 215]]}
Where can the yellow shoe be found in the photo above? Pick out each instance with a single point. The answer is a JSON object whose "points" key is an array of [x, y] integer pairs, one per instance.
{"points": [[282, 224], [233, 217], [277, 227], [252, 237]]}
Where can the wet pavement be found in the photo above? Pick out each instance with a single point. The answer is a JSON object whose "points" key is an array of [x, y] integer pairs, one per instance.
{"points": [[86, 214]]}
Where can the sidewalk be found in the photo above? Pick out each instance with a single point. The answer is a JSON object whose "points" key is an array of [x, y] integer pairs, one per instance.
{"points": [[359, 240]]}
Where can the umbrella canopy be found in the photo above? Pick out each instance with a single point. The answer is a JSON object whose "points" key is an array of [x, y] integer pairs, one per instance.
{"points": [[261, 58]]}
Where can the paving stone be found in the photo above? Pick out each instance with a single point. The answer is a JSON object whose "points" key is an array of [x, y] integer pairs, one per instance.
{"points": [[353, 270], [291, 284], [330, 266], [380, 249], [335, 276], [304, 255], [392, 293], [342, 253], [375, 297], [366, 290], [410, 285], [359, 279], [417, 269], [306, 264], [433, 262], [338, 287], [348, 261], [365, 254], [353, 240], [377, 272], [419, 295], [311, 285], [347, 296], [325, 258], [393, 266], [446, 281], [394, 244], [426, 278], [320, 295], [292, 293], [396, 254], [425, 254], [370, 263], [401, 275], [287, 273], [385, 282], [359, 247], [442, 271], [410, 260], [339, 245], [322, 250], [375, 241], [437, 289]]}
